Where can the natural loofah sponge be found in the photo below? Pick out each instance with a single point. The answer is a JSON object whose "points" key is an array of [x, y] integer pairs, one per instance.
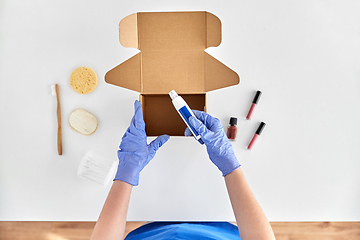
{"points": [[83, 121], [83, 80]]}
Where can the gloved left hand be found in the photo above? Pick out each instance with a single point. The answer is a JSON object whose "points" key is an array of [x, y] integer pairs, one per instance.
{"points": [[135, 153], [217, 144]]}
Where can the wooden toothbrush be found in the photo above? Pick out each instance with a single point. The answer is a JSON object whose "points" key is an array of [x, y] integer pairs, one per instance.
{"points": [[55, 92]]}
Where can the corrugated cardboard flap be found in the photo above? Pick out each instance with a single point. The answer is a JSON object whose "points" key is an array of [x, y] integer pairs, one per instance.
{"points": [[127, 74], [172, 54], [218, 75], [128, 31], [170, 31]]}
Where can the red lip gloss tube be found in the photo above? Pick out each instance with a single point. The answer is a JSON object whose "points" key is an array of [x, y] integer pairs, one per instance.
{"points": [[254, 102], [256, 135]]}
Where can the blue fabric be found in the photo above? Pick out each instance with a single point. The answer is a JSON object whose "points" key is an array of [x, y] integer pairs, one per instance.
{"points": [[185, 230]]}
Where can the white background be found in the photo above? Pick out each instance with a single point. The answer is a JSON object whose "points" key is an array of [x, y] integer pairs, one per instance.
{"points": [[303, 55]]}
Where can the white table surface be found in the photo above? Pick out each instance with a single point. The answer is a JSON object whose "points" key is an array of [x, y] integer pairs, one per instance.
{"points": [[303, 55]]}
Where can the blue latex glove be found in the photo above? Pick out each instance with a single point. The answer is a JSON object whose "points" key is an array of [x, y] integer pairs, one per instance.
{"points": [[217, 144], [135, 153]]}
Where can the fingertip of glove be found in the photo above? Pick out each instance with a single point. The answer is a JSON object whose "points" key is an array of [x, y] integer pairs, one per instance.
{"points": [[159, 141], [196, 112], [196, 123], [192, 120], [137, 104], [187, 132], [201, 115], [165, 138]]}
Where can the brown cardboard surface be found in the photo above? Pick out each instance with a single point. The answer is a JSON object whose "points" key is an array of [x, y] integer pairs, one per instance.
{"points": [[129, 31], [161, 117], [127, 74], [165, 71], [171, 31], [172, 57]]}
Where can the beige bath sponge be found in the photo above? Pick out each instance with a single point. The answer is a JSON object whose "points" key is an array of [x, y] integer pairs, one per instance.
{"points": [[83, 80], [83, 121]]}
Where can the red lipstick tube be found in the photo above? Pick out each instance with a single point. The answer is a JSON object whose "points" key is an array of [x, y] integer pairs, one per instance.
{"points": [[256, 135], [254, 102]]}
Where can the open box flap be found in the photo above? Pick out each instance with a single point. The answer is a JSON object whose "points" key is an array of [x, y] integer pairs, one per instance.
{"points": [[218, 75], [128, 31], [172, 53], [127, 74], [180, 31], [213, 30]]}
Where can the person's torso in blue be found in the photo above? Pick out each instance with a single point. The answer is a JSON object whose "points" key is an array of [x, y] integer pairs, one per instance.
{"points": [[185, 230]]}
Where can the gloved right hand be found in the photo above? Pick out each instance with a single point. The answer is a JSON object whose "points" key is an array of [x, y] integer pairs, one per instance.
{"points": [[219, 148]]}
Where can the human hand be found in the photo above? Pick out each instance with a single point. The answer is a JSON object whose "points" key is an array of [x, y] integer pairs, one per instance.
{"points": [[217, 144], [134, 153]]}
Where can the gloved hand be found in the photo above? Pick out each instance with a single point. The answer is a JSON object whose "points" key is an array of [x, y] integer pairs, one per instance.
{"points": [[135, 153], [217, 144]]}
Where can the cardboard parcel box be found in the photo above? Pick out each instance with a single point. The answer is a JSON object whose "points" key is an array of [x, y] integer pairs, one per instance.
{"points": [[172, 57]]}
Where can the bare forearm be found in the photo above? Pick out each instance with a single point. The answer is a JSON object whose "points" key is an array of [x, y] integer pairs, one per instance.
{"points": [[250, 218], [112, 219]]}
